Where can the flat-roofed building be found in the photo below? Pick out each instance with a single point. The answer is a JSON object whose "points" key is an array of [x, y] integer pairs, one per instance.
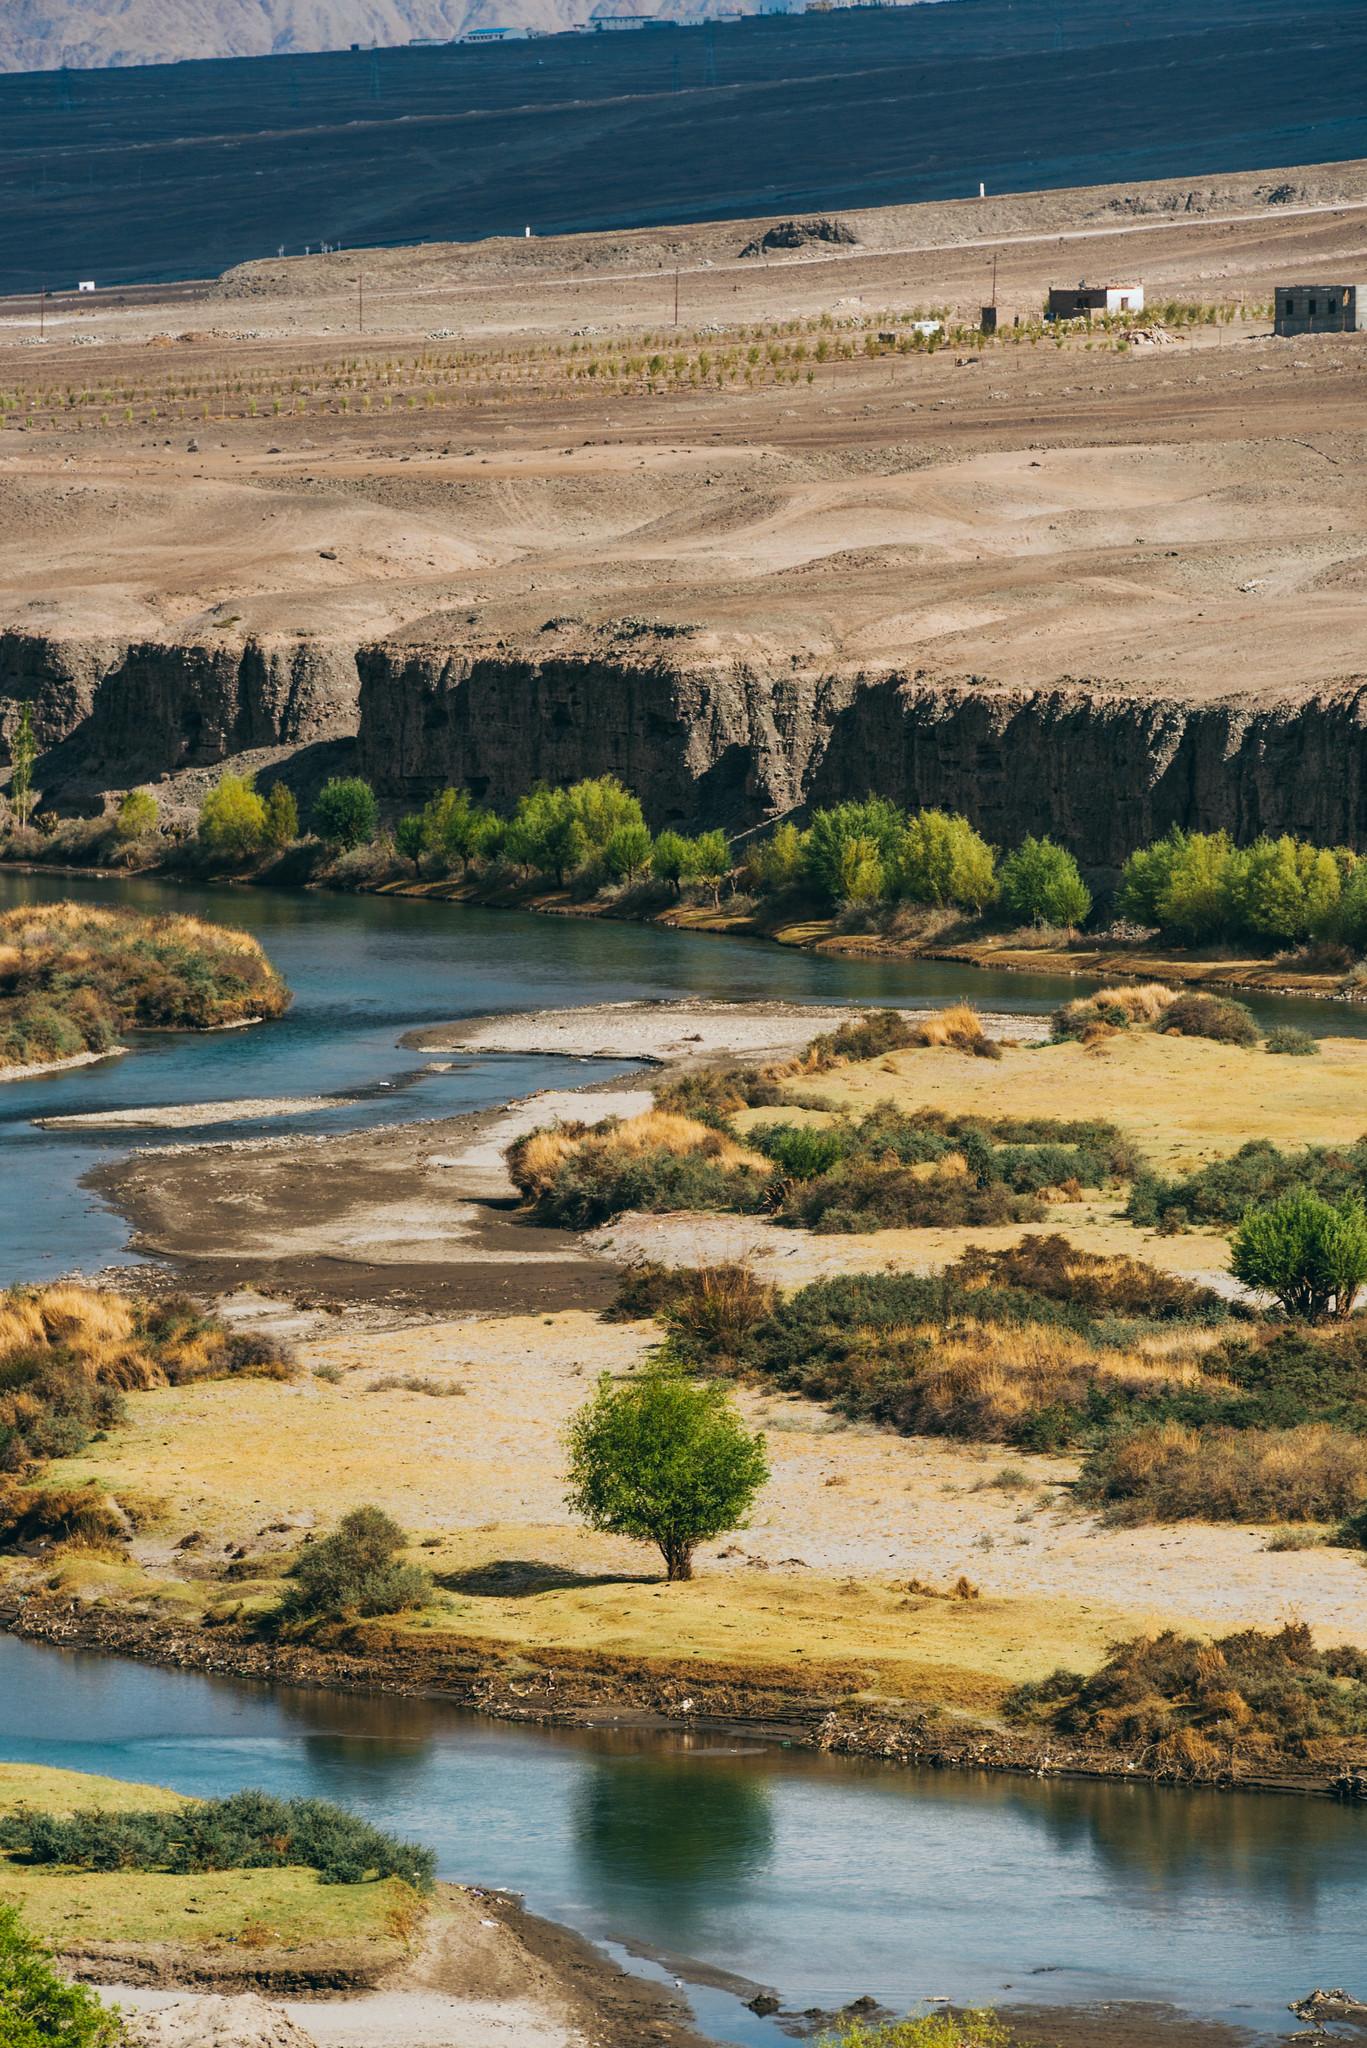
{"points": [[1084, 301], [1320, 308]]}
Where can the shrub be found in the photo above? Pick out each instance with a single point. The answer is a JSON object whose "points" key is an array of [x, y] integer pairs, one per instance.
{"points": [[249, 1830], [1113, 1009], [1099, 1283], [39, 2008], [1206, 1016], [577, 1178], [709, 1095], [1040, 884], [777, 864], [875, 825], [864, 1194], [1291, 1040], [1310, 1253], [930, 2030], [664, 1460], [232, 819], [345, 813], [867, 1037], [137, 814], [357, 1570], [1168, 1472], [1195, 1709], [1256, 1174], [802, 1151]]}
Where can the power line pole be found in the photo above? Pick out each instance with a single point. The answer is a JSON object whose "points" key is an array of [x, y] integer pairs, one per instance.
{"points": [[360, 302], [676, 294]]}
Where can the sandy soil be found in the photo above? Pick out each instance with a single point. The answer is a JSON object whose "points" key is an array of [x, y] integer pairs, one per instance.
{"points": [[1175, 518], [191, 1115], [39, 1067]]}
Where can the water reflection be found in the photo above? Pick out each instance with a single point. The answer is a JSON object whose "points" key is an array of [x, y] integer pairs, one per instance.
{"points": [[694, 1826]]}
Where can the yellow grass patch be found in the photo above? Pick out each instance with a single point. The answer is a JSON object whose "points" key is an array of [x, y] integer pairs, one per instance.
{"points": [[1183, 1100]]}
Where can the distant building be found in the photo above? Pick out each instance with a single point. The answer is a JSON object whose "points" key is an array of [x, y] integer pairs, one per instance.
{"points": [[495, 35], [1084, 301], [1320, 308], [627, 21]]}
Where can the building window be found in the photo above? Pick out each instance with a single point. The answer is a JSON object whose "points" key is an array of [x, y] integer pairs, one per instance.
{"points": [[1312, 307]]}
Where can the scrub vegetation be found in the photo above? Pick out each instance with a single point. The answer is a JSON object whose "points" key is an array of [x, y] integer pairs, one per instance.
{"points": [[72, 977]]}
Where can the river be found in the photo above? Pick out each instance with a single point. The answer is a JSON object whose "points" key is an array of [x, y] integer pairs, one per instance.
{"points": [[823, 1878]]}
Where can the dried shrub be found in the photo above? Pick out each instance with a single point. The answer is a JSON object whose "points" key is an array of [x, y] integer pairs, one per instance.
{"points": [[709, 1095], [1196, 1015], [1114, 1009], [1169, 1472], [1101, 1283], [1291, 1041], [1196, 1709], [879, 1032], [577, 1177]]}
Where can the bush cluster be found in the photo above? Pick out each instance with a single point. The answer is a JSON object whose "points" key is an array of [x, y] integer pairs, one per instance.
{"points": [[69, 1354], [1254, 1176], [577, 1177], [1201, 888], [39, 2007], [73, 976], [249, 1830], [1199, 1709], [356, 1571], [1149, 1005]]}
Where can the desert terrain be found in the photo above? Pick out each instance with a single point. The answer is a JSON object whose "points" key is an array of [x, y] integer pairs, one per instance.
{"points": [[241, 528]]}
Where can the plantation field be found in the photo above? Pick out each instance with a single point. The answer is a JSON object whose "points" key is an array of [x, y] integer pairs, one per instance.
{"points": [[254, 1909]]}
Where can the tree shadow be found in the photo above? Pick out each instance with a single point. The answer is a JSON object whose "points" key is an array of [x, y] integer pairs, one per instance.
{"points": [[514, 1578]]}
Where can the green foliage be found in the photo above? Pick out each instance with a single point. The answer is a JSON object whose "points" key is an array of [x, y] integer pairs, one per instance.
{"points": [[357, 1570], [1225, 1472], [559, 831], [23, 754], [1310, 1253], [664, 1460], [1254, 1175], [345, 813], [593, 1186], [1291, 1040], [864, 1038], [775, 865], [931, 2030], [40, 2008], [626, 852], [875, 826], [249, 1830], [1040, 884], [669, 858], [1200, 887], [282, 816], [1193, 1707], [711, 1095], [709, 861], [942, 860], [802, 1151], [137, 815], [232, 819]]}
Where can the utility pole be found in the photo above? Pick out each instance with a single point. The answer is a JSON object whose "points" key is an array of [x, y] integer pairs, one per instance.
{"points": [[360, 302], [676, 294]]}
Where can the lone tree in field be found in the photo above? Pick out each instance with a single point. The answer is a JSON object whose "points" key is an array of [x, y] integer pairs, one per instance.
{"points": [[358, 1569], [1310, 1253], [664, 1459]]}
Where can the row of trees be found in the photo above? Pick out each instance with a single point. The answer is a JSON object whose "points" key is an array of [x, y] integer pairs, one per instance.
{"points": [[1196, 887], [1201, 887]]}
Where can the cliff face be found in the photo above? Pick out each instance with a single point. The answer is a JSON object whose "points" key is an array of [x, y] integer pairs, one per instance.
{"points": [[109, 714], [706, 743], [702, 740]]}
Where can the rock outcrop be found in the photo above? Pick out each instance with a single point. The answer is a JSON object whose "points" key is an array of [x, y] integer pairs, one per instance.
{"points": [[702, 739]]}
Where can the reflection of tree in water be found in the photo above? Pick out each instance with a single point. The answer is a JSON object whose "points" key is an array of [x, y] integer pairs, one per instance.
{"points": [[693, 1828], [387, 1738], [1196, 1841]]}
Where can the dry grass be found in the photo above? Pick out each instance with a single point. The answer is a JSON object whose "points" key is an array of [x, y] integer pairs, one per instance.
{"points": [[1169, 1473], [1182, 1100], [960, 1027]]}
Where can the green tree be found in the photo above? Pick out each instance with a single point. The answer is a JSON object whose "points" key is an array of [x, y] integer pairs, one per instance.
{"points": [[39, 2008], [1145, 877], [862, 880], [665, 1460], [232, 819], [669, 858], [137, 814], [627, 852], [709, 862], [1350, 919], [345, 813], [776, 863], [23, 753], [943, 860], [282, 816], [1310, 1253], [1287, 889], [1040, 884], [451, 824], [832, 830], [1198, 901], [358, 1569]]}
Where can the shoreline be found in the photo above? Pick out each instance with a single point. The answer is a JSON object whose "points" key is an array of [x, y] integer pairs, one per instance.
{"points": [[566, 1689], [1246, 975]]}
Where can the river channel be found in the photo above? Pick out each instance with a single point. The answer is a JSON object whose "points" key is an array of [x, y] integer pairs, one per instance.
{"points": [[823, 1878]]}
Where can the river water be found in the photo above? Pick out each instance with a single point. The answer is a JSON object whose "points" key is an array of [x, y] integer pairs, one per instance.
{"points": [[824, 1878]]}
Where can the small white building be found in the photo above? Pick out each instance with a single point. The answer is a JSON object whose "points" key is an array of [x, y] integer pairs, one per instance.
{"points": [[1084, 301]]}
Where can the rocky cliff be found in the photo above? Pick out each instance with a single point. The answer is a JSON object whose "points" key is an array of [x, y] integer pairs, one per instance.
{"points": [[706, 742], [112, 713], [701, 739]]}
